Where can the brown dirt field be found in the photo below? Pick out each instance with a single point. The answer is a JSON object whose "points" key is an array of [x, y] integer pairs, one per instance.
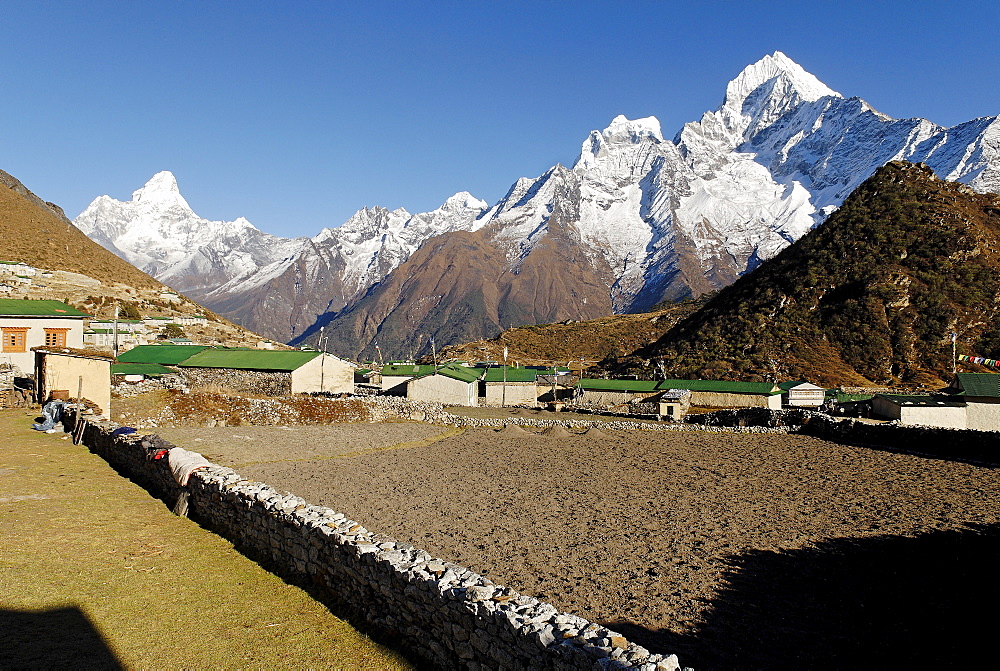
{"points": [[733, 550]]}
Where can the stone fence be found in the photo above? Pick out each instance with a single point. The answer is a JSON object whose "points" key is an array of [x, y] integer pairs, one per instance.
{"points": [[938, 442], [436, 611]]}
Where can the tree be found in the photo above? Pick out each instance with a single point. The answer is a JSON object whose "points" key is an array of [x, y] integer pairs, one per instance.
{"points": [[173, 331]]}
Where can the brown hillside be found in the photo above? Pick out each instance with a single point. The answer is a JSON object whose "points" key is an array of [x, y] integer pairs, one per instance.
{"points": [[32, 232], [573, 342], [872, 295], [85, 274]]}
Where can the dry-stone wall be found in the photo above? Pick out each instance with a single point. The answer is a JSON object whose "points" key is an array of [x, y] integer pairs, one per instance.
{"points": [[939, 442], [252, 382], [439, 612], [122, 389]]}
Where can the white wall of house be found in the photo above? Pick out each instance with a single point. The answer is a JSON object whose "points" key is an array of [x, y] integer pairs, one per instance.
{"points": [[324, 373], [442, 389], [806, 395], [390, 381], [35, 337], [518, 393], [983, 414], [952, 417]]}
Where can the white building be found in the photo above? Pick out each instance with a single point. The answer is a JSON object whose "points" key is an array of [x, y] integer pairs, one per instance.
{"points": [[29, 323]]}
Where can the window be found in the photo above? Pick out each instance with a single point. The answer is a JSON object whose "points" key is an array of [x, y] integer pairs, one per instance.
{"points": [[15, 338], [55, 337]]}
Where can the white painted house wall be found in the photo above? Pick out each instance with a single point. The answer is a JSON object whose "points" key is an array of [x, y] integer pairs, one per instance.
{"points": [[324, 373], [35, 337]]}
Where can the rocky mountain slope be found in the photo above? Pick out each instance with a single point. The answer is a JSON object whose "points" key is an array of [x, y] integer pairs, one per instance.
{"points": [[873, 295], [84, 273], [636, 221]]}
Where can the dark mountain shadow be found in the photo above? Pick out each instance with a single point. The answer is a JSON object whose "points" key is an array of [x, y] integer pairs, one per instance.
{"points": [[61, 638], [884, 602]]}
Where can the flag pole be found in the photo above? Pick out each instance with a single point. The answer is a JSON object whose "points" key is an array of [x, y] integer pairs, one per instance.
{"points": [[503, 393]]}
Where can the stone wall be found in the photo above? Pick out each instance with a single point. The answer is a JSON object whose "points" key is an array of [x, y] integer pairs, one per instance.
{"points": [[438, 612], [251, 382], [938, 442], [122, 389]]}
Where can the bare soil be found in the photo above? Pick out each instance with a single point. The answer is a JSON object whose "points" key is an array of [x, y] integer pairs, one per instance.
{"points": [[733, 550]]}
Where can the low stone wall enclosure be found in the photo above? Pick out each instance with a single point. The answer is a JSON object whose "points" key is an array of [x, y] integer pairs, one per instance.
{"points": [[439, 612]]}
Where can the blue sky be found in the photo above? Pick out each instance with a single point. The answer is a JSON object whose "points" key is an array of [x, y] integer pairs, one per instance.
{"points": [[296, 114]]}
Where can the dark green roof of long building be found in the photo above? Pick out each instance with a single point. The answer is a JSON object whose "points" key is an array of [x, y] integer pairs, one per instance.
{"points": [[148, 369], [456, 372], [23, 307], [722, 386], [249, 359], [406, 369], [719, 386], [979, 384], [618, 385], [513, 374], [169, 355]]}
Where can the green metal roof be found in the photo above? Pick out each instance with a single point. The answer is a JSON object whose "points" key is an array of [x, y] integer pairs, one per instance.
{"points": [[170, 355], [618, 385], [148, 369], [722, 386], [248, 359], [18, 307], [979, 384], [463, 373], [852, 398], [496, 374], [98, 331], [928, 400], [406, 369]]}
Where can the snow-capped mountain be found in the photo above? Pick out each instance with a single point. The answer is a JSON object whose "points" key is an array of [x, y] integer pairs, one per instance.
{"points": [[159, 233], [276, 286], [640, 218], [335, 267]]}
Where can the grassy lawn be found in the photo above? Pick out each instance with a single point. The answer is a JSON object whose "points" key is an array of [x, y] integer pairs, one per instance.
{"points": [[96, 573]]}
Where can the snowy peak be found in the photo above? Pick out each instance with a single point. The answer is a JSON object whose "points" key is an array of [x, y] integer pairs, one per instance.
{"points": [[634, 131], [621, 134], [777, 66], [161, 189], [463, 200]]}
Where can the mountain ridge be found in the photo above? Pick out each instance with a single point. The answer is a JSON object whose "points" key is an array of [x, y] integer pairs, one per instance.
{"points": [[655, 220]]}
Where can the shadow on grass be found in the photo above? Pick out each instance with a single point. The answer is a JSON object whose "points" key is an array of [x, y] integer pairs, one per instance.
{"points": [[873, 603], [60, 638]]}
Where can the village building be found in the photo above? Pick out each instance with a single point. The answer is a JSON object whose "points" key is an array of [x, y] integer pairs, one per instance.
{"points": [[981, 394], [268, 372], [25, 324], [70, 373], [510, 385], [17, 269], [449, 384], [395, 375], [612, 393], [190, 320], [166, 355], [704, 393], [800, 394], [673, 403], [923, 409]]}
